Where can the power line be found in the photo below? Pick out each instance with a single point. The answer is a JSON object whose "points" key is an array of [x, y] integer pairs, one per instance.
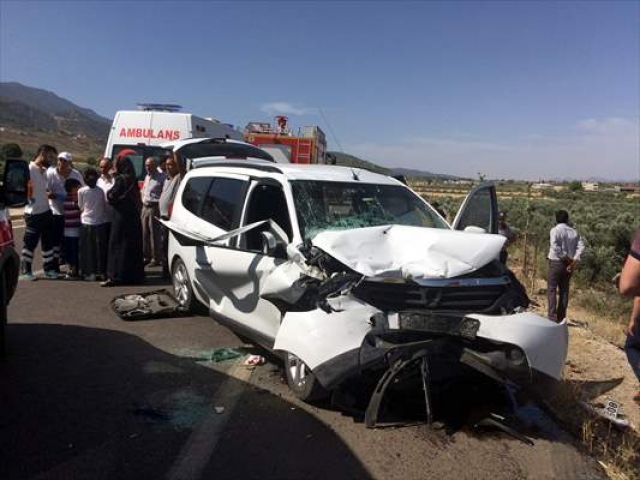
{"points": [[335, 138]]}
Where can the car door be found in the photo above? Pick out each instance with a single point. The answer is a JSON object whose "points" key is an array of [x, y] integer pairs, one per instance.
{"points": [[479, 209], [237, 271], [13, 191]]}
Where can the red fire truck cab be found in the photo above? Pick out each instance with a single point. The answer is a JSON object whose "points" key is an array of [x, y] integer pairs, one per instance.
{"points": [[309, 145]]}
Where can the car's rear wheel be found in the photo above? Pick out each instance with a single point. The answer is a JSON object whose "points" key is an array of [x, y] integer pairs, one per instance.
{"points": [[182, 290], [302, 381]]}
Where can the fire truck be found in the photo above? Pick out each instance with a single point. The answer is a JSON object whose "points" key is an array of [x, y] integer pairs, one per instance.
{"points": [[307, 145]]}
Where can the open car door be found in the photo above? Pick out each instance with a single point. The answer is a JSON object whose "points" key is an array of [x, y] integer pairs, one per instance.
{"points": [[479, 209], [207, 149], [13, 191]]}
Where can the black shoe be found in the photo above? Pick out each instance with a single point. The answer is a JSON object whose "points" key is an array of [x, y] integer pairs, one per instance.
{"points": [[108, 283]]}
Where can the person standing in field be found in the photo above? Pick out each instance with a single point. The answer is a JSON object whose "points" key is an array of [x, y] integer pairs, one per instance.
{"points": [[630, 286], [565, 250], [56, 178], [37, 214], [151, 191], [505, 231]]}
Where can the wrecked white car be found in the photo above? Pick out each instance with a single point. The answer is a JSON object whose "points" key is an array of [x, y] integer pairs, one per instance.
{"points": [[344, 271]]}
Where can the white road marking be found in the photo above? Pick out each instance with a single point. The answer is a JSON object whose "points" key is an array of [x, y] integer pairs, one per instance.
{"points": [[196, 452]]}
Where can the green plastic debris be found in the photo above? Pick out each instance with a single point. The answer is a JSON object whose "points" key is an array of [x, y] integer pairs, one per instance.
{"points": [[223, 354]]}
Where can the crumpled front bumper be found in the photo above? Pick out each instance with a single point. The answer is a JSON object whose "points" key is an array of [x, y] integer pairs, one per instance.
{"points": [[357, 337]]}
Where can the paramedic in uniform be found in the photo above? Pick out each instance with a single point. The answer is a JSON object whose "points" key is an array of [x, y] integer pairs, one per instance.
{"points": [[37, 214], [151, 234]]}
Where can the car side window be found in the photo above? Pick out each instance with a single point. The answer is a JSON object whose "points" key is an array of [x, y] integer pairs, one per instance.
{"points": [[222, 202], [194, 193]]}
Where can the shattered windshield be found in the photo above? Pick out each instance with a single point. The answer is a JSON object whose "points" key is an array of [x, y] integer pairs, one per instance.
{"points": [[343, 205]]}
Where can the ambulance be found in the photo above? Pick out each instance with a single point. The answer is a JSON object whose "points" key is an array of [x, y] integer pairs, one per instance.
{"points": [[152, 124]]}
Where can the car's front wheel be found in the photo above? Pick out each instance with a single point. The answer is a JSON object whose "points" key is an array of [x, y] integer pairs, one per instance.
{"points": [[182, 290], [302, 380]]}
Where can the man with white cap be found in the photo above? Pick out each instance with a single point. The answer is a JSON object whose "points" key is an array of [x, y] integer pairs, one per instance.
{"points": [[56, 176]]}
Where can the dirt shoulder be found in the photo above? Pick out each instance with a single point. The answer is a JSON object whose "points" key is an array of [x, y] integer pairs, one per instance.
{"points": [[596, 363], [597, 371]]}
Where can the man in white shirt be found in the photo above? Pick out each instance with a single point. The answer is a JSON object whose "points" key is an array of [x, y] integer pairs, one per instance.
{"points": [[37, 214], [56, 176], [151, 234], [566, 249]]}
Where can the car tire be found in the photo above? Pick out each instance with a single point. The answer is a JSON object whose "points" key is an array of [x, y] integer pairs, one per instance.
{"points": [[3, 315], [302, 381], [182, 289]]}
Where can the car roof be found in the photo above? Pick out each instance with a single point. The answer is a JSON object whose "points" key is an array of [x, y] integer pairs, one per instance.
{"points": [[292, 171]]}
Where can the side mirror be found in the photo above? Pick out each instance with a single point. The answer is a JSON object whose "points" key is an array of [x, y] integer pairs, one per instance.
{"points": [[474, 229], [269, 243], [14, 183], [272, 246]]}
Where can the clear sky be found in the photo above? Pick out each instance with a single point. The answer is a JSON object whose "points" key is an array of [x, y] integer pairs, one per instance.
{"points": [[520, 89]]}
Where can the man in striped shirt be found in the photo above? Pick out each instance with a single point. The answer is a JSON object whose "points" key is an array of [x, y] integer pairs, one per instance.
{"points": [[566, 249]]}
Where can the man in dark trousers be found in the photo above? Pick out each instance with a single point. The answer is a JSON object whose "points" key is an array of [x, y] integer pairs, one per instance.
{"points": [[37, 214], [565, 250], [151, 234]]}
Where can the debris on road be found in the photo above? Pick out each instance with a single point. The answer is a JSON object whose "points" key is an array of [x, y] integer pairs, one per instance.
{"points": [[145, 306], [255, 360], [610, 411], [219, 410], [151, 413], [224, 354]]}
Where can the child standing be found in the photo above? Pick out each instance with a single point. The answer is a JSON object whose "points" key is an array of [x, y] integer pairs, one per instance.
{"points": [[94, 228], [71, 227]]}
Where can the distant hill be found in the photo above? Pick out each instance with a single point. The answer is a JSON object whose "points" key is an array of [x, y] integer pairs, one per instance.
{"points": [[31, 116], [353, 161], [347, 160], [412, 173]]}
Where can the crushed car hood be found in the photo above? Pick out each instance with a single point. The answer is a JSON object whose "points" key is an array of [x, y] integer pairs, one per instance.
{"points": [[401, 251]]}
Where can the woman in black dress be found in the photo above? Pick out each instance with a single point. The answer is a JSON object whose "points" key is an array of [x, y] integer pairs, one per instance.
{"points": [[125, 264]]}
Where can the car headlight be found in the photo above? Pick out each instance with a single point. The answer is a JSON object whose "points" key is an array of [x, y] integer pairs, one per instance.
{"points": [[516, 356]]}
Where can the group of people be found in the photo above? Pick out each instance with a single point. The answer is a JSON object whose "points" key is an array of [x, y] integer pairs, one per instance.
{"points": [[97, 223]]}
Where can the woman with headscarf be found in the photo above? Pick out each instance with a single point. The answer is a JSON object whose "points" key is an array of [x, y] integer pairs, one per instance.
{"points": [[125, 264]]}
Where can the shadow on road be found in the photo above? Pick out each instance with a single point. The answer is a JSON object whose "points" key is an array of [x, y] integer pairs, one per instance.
{"points": [[81, 402]]}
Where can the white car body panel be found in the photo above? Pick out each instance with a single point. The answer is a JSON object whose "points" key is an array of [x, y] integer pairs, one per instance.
{"points": [[544, 342], [410, 252], [318, 336]]}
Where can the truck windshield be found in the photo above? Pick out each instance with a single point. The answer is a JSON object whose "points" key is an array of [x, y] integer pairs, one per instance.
{"points": [[343, 205]]}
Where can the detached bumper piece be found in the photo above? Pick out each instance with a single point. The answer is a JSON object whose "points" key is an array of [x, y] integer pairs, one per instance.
{"points": [[419, 358]]}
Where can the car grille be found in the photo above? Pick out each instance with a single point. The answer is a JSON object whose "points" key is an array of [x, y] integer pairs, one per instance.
{"points": [[398, 297]]}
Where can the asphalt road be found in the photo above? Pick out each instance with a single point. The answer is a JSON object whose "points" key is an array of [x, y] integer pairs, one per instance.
{"points": [[86, 395]]}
